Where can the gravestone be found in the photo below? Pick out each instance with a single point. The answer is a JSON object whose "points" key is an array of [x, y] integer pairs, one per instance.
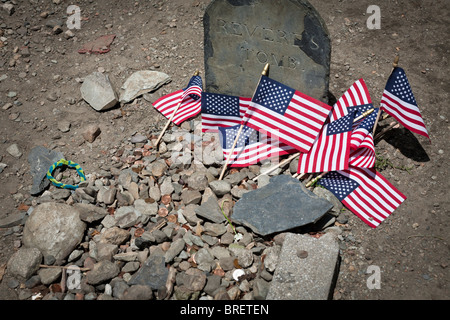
{"points": [[241, 36]]}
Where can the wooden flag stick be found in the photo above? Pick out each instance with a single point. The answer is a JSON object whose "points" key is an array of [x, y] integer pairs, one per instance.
{"points": [[264, 72], [309, 184], [365, 114], [282, 163], [391, 126], [171, 117], [394, 65]]}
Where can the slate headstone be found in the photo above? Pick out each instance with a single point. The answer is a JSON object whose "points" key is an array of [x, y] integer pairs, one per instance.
{"points": [[283, 204], [241, 36], [40, 160]]}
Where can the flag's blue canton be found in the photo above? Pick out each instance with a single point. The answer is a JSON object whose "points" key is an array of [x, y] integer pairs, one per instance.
{"points": [[247, 136], [369, 121], [341, 125], [359, 110], [195, 81], [399, 86], [340, 185], [220, 105], [273, 95]]}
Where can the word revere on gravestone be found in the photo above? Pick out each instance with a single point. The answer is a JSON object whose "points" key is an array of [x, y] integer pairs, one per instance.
{"points": [[242, 36]]}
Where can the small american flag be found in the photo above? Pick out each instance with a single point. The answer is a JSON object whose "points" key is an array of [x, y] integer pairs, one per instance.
{"points": [[331, 150], [219, 110], [287, 114], [398, 101], [362, 148], [251, 147], [357, 100], [188, 99], [365, 192]]}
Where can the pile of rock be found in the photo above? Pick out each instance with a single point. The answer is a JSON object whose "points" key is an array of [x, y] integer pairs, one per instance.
{"points": [[149, 225]]}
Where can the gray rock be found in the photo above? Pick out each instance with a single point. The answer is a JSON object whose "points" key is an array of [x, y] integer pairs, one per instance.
{"points": [[14, 151], [54, 228], [104, 251], [127, 216], [126, 177], [198, 181], [306, 268], [175, 248], [203, 256], [24, 263], [91, 132], [194, 279], [212, 284], [115, 236], [283, 204], [106, 195], [89, 212], [147, 209], [235, 178], [261, 289], [102, 271], [49, 275], [40, 160], [271, 260], [98, 92], [154, 193], [138, 138], [158, 168], [61, 194], [293, 37], [220, 187], [166, 187], [138, 292], [329, 196], [12, 220], [214, 229], [153, 273], [141, 82], [191, 197], [210, 210]]}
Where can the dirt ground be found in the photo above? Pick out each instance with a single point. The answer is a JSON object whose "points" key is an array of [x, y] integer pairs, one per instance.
{"points": [[411, 248]]}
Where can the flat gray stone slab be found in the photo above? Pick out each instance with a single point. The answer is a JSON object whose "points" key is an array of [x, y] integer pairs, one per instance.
{"points": [[40, 160], [241, 36], [281, 205], [306, 268]]}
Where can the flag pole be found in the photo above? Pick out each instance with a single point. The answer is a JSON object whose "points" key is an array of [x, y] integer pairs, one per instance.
{"points": [[365, 114], [264, 73], [394, 65], [171, 117]]}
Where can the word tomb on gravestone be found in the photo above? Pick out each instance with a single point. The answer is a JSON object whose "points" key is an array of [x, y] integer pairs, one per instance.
{"points": [[242, 36]]}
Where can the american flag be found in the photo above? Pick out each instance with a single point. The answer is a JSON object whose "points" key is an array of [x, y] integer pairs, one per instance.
{"points": [[287, 114], [188, 98], [365, 192], [362, 148], [357, 100], [219, 110], [331, 150], [398, 101], [251, 147], [356, 97]]}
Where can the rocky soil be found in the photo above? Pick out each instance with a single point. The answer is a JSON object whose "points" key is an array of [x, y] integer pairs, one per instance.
{"points": [[139, 206]]}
